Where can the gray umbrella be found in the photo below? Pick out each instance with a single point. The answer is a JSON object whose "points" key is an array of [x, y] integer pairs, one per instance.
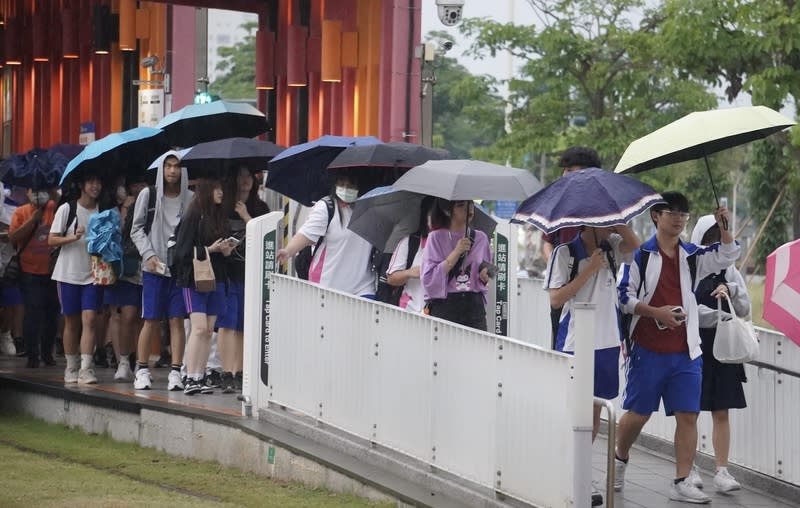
{"points": [[385, 215], [458, 180]]}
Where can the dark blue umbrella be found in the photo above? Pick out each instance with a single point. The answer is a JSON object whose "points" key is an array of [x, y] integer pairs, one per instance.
{"points": [[588, 197], [218, 158], [37, 169], [199, 123], [127, 152], [300, 171], [70, 151]]}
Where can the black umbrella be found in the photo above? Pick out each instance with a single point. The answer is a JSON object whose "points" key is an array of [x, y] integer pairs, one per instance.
{"points": [[222, 156], [386, 155], [300, 171], [199, 123]]}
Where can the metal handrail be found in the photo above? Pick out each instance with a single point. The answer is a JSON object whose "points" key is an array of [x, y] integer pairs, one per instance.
{"points": [[610, 452], [775, 368]]}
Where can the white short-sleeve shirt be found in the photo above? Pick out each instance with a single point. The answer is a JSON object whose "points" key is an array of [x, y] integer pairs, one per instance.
{"points": [[600, 289], [342, 261], [413, 297], [74, 265]]}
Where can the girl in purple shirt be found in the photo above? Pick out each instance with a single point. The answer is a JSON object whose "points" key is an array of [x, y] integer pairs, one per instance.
{"points": [[453, 272]]}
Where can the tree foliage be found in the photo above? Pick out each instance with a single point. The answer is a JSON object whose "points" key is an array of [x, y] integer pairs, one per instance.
{"points": [[468, 113], [589, 75], [748, 47], [239, 61]]}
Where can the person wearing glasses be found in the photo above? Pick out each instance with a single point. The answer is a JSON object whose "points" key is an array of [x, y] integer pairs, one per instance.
{"points": [[665, 359]]}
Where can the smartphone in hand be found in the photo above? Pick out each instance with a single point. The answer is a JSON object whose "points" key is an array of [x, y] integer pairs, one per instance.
{"points": [[233, 241]]}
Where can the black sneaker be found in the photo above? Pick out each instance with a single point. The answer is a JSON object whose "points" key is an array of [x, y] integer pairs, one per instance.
{"points": [[111, 356], [191, 387], [205, 388], [165, 360], [214, 379], [19, 345], [228, 384], [100, 359]]}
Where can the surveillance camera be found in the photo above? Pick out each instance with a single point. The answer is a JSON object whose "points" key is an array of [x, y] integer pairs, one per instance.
{"points": [[149, 61], [449, 11], [447, 46]]}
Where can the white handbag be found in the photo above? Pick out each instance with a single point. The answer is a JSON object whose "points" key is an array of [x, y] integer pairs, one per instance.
{"points": [[736, 340]]}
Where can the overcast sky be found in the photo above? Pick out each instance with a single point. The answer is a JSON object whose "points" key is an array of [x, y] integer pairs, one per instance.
{"points": [[499, 10]]}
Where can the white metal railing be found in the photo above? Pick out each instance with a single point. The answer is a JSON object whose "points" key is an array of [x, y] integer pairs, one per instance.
{"points": [[481, 406], [764, 436]]}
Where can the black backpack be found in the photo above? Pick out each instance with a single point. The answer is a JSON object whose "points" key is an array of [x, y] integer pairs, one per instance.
{"points": [[386, 292], [72, 215], [131, 259], [302, 262]]}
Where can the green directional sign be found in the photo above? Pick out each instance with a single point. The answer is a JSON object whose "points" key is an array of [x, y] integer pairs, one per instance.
{"points": [[268, 267], [501, 285]]}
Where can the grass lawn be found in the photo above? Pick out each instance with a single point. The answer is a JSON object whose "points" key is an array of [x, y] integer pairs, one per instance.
{"points": [[48, 465]]}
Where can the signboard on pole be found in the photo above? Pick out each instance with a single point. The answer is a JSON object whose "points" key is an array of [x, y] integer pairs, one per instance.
{"points": [[151, 107], [86, 135]]}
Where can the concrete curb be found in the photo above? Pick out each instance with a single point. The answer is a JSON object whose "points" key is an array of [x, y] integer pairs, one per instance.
{"points": [[278, 446]]}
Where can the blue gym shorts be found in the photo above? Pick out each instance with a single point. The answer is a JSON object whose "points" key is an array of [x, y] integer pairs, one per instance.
{"points": [[161, 298], [76, 298], [210, 304], [673, 377], [233, 317], [606, 372], [123, 294]]}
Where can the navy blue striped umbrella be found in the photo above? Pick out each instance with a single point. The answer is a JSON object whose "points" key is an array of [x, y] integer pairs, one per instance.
{"points": [[588, 197]]}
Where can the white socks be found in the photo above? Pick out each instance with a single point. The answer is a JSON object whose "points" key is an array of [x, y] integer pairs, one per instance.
{"points": [[73, 361]]}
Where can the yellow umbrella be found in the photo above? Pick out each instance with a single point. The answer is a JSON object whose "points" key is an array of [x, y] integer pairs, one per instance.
{"points": [[700, 134]]}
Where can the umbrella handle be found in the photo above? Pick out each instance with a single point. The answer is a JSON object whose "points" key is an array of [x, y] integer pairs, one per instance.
{"points": [[714, 190]]}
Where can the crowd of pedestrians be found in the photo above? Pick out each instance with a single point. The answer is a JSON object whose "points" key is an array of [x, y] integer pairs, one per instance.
{"points": [[667, 288], [67, 310]]}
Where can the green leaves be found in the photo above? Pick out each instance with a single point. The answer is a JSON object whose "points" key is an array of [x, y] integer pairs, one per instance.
{"points": [[239, 61]]}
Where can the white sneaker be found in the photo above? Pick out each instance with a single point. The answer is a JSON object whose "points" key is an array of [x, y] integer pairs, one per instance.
{"points": [[7, 345], [142, 380], [87, 377], [619, 474], [174, 382], [694, 478], [71, 375], [123, 372], [724, 482], [686, 492]]}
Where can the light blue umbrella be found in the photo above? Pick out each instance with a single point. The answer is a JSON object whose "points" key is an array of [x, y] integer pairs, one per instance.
{"points": [[199, 123], [301, 171], [103, 235], [587, 197], [125, 152]]}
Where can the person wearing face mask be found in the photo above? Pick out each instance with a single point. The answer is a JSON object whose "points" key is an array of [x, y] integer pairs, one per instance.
{"points": [[29, 229], [341, 259]]}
